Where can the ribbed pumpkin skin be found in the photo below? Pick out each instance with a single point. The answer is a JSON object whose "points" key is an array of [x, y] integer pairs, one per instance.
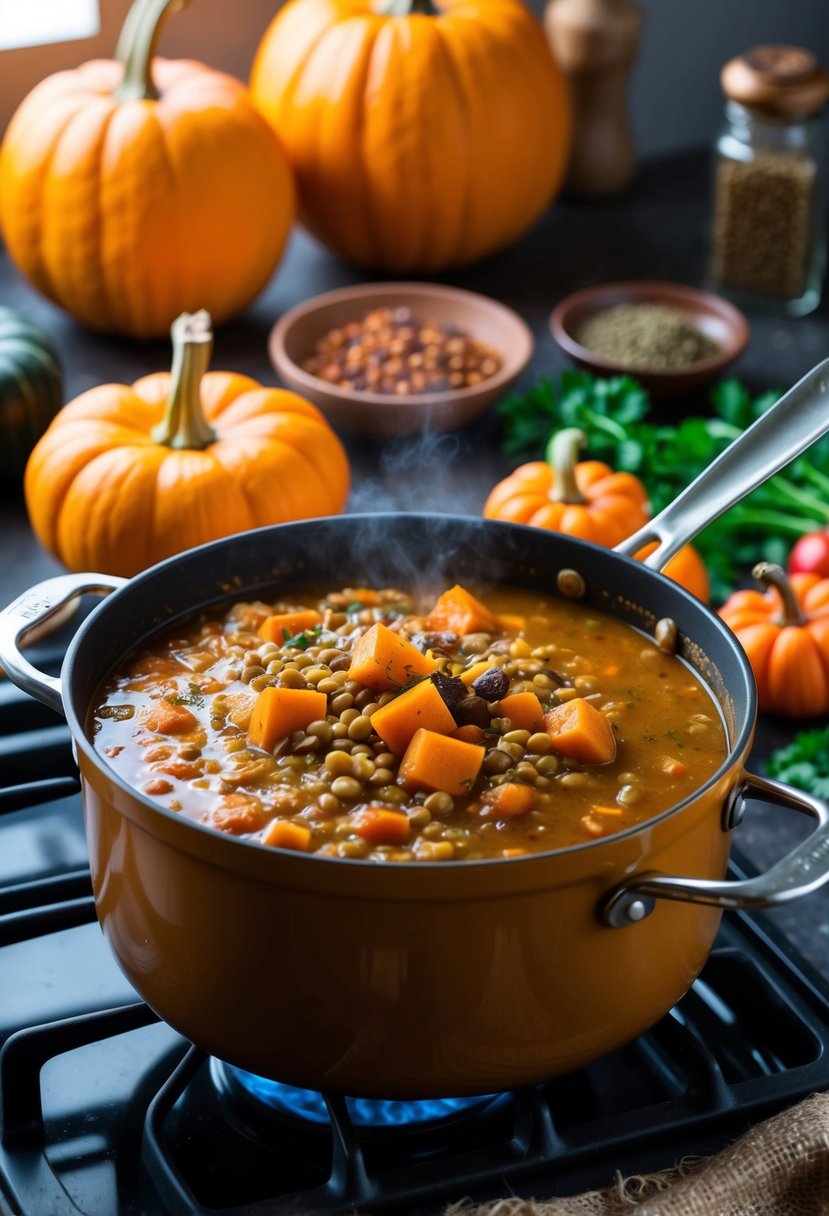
{"points": [[31, 389], [103, 495], [418, 141], [127, 214]]}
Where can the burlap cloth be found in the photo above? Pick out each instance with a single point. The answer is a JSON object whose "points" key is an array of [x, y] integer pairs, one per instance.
{"points": [[779, 1168]]}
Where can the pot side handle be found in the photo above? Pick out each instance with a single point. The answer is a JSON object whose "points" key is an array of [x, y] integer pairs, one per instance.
{"points": [[799, 873], [33, 608], [796, 421]]}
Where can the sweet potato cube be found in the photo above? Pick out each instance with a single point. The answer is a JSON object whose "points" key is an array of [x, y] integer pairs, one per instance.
{"points": [[381, 826], [283, 834], [437, 762], [507, 800], [382, 659], [281, 711], [524, 711], [477, 669], [420, 706], [459, 612], [577, 729], [284, 625]]}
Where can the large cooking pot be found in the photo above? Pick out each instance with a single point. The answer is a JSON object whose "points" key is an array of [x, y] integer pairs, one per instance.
{"points": [[422, 980]]}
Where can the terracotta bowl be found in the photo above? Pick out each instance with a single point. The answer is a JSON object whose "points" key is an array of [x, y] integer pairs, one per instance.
{"points": [[716, 318], [294, 336]]}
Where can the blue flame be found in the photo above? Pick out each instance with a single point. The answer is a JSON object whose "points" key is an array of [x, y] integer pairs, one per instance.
{"points": [[364, 1112]]}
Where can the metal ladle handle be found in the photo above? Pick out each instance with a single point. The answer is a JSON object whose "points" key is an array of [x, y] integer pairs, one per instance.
{"points": [[791, 425]]}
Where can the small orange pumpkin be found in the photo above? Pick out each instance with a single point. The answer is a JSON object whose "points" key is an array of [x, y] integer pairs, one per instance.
{"points": [[585, 499], [126, 476], [687, 568], [134, 189], [422, 134], [785, 633]]}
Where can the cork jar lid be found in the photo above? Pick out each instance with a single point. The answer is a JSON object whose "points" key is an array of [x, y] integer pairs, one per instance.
{"points": [[781, 81]]}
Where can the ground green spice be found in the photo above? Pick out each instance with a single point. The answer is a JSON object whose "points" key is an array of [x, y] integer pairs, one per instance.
{"points": [[654, 337]]}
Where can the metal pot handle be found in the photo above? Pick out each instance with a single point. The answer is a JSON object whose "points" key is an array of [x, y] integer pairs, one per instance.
{"points": [[791, 425], [34, 607], [799, 873]]}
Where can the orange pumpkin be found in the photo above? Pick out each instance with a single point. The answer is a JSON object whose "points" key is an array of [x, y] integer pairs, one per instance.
{"points": [[126, 476], [585, 499], [687, 568], [133, 190], [423, 135], [785, 633]]}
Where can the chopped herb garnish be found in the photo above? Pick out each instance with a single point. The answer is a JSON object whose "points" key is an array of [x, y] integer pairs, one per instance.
{"points": [[356, 606], [301, 641], [193, 697], [671, 734]]}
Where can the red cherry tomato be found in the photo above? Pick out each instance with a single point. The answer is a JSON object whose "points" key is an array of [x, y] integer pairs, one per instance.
{"points": [[810, 555]]}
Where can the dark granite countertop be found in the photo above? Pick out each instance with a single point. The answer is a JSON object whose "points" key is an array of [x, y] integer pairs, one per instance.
{"points": [[658, 230]]}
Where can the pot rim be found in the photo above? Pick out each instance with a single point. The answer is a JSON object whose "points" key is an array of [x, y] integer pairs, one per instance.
{"points": [[736, 749]]}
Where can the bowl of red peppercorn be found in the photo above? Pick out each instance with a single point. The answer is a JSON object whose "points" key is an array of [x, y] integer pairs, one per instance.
{"points": [[387, 359]]}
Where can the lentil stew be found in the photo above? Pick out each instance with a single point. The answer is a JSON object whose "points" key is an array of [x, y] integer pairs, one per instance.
{"points": [[358, 723]]}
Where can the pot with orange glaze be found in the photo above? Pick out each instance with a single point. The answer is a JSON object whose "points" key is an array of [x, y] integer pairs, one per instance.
{"points": [[422, 980]]}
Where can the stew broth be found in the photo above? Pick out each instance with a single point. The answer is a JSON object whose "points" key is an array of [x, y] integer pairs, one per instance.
{"points": [[355, 723]]}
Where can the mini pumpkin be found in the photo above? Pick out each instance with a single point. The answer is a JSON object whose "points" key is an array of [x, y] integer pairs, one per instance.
{"points": [[31, 389], [687, 568], [126, 476], [582, 498], [136, 188], [785, 634], [422, 134]]}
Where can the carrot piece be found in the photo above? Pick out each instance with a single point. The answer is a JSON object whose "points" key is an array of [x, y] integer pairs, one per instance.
{"points": [[436, 762], [524, 711], [511, 621], [507, 800], [459, 612], [469, 734], [513, 852], [606, 810], [237, 813], [673, 768], [185, 770], [167, 719], [281, 711], [577, 729], [420, 706], [282, 834], [283, 625], [380, 826], [382, 659], [477, 669]]}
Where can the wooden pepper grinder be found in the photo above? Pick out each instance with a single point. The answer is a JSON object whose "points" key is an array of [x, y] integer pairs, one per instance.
{"points": [[596, 42]]}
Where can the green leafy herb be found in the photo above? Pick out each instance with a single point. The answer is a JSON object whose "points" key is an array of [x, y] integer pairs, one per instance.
{"points": [[301, 641], [804, 763], [613, 414], [193, 697], [356, 606], [671, 734]]}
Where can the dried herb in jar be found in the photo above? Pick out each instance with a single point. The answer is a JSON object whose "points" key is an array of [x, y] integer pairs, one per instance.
{"points": [[653, 337], [763, 222]]}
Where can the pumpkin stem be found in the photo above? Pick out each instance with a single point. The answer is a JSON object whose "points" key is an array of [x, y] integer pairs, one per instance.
{"points": [[774, 576], [184, 424], [563, 452], [402, 8], [136, 47]]}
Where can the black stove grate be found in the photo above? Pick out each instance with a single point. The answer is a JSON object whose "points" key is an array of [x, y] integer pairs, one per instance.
{"points": [[103, 1108]]}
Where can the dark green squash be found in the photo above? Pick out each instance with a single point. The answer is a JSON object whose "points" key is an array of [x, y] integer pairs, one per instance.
{"points": [[31, 389]]}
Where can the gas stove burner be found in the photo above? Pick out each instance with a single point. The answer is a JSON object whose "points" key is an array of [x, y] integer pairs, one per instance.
{"points": [[252, 1092]]}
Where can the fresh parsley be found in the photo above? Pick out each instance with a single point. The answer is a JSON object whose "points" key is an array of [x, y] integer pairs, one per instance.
{"points": [[614, 416], [804, 763], [301, 641], [194, 697]]}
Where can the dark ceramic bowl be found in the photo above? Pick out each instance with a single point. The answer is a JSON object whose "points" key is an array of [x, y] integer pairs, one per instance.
{"points": [[381, 415], [713, 316]]}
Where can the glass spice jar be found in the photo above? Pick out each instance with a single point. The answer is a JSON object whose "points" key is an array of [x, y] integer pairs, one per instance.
{"points": [[768, 244]]}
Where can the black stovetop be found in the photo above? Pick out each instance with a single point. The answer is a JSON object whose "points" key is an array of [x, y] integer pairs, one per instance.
{"points": [[107, 1110]]}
